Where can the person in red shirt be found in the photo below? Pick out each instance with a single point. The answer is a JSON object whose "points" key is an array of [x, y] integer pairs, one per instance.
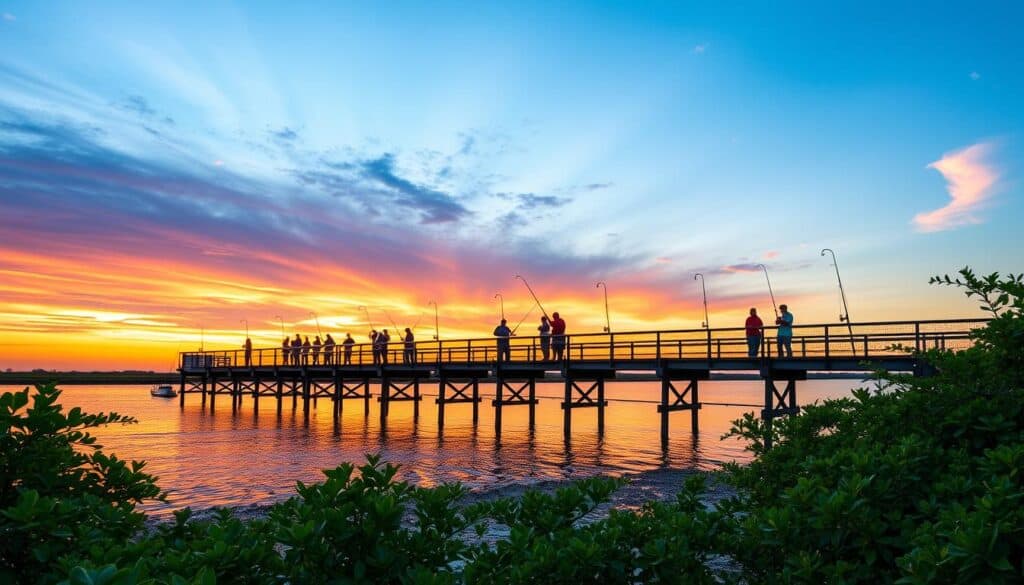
{"points": [[558, 336], [755, 330]]}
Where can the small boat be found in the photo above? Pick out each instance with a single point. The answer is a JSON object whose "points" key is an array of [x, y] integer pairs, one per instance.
{"points": [[163, 391]]}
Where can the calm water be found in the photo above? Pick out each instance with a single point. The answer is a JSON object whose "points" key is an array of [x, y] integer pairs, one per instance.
{"points": [[206, 458]]}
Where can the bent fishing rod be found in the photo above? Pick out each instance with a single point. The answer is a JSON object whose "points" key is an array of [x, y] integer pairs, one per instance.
{"points": [[545, 313]]}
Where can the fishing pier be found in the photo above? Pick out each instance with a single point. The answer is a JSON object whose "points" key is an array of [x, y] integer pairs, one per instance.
{"points": [[680, 360]]}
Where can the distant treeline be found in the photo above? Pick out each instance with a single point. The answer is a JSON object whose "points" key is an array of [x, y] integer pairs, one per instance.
{"points": [[126, 377]]}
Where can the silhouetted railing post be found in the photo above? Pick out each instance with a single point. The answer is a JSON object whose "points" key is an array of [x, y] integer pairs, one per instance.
{"points": [[709, 344], [657, 345], [826, 342], [917, 336]]}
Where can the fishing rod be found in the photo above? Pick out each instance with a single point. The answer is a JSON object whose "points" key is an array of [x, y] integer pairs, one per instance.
{"points": [[388, 315], [516, 328], [533, 295], [770, 293], [368, 321]]}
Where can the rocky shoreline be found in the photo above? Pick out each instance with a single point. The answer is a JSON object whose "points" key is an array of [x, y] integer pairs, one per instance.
{"points": [[655, 485]]}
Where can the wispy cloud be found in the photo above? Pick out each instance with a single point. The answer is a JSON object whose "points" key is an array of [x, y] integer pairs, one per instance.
{"points": [[433, 206], [9, 17], [975, 75], [284, 134], [743, 267], [534, 201], [970, 179], [700, 49]]}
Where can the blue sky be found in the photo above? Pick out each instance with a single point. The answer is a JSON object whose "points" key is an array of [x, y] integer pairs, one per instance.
{"points": [[634, 142]]}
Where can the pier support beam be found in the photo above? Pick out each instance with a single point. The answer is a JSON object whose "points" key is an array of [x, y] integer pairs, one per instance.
{"points": [[673, 399], [463, 392], [675, 396], [405, 391], [779, 402], [584, 388], [521, 383], [401, 383]]}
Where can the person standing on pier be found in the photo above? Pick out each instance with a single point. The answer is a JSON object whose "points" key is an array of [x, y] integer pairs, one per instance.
{"points": [[503, 333], [348, 343], [317, 344], [384, 338], [247, 346], [306, 345], [286, 349], [558, 336], [328, 350], [545, 338], [375, 346], [755, 330], [409, 353], [785, 334], [296, 349]]}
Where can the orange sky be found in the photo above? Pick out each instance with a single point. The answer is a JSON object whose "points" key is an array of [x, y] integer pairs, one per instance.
{"points": [[136, 306]]}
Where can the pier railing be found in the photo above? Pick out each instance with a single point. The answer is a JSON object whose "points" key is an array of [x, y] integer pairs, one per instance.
{"points": [[829, 341]]}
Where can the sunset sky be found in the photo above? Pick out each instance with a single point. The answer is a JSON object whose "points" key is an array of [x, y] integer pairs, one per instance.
{"points": [[169, 171]]}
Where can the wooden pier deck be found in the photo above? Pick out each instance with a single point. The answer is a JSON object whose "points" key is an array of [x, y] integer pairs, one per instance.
{"points": [[680, 359]]}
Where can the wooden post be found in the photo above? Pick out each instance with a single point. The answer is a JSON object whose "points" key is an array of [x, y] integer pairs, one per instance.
{"points": [[442, 386], [336, 407], [567, 407], [305, 392], [695, 400], [497, 402], [213, 390], [280, 393], [415, 399], [366, 397], [665, 383], [533, 402], [182, 393], [600, 406]]}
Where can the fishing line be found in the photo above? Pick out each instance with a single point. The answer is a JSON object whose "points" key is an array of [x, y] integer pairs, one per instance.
{"points": [[516, 328]]}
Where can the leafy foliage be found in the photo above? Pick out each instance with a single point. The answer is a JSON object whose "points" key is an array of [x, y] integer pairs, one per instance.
{"points": [[915, 481], [58, 491]]}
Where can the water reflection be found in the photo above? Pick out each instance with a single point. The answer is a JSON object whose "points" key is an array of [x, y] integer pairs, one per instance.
{"points": [[249, 454]]}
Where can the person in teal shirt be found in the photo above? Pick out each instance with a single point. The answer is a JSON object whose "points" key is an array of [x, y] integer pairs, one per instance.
{"points": [[785, 333]]}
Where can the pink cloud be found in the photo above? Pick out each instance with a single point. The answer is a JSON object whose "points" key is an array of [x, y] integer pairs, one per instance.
{"points": [[970, 181], [771, 254]]}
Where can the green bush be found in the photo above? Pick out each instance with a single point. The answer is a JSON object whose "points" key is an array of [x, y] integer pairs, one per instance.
{"points": [[917, 480], [58, 492]]}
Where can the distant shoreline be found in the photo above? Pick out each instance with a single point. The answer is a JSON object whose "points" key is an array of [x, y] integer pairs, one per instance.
{"points": [[75, 378], [116, 378]]}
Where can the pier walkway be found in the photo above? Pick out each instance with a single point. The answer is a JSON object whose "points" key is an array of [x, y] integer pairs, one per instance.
{"points": [[679, 359]]}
